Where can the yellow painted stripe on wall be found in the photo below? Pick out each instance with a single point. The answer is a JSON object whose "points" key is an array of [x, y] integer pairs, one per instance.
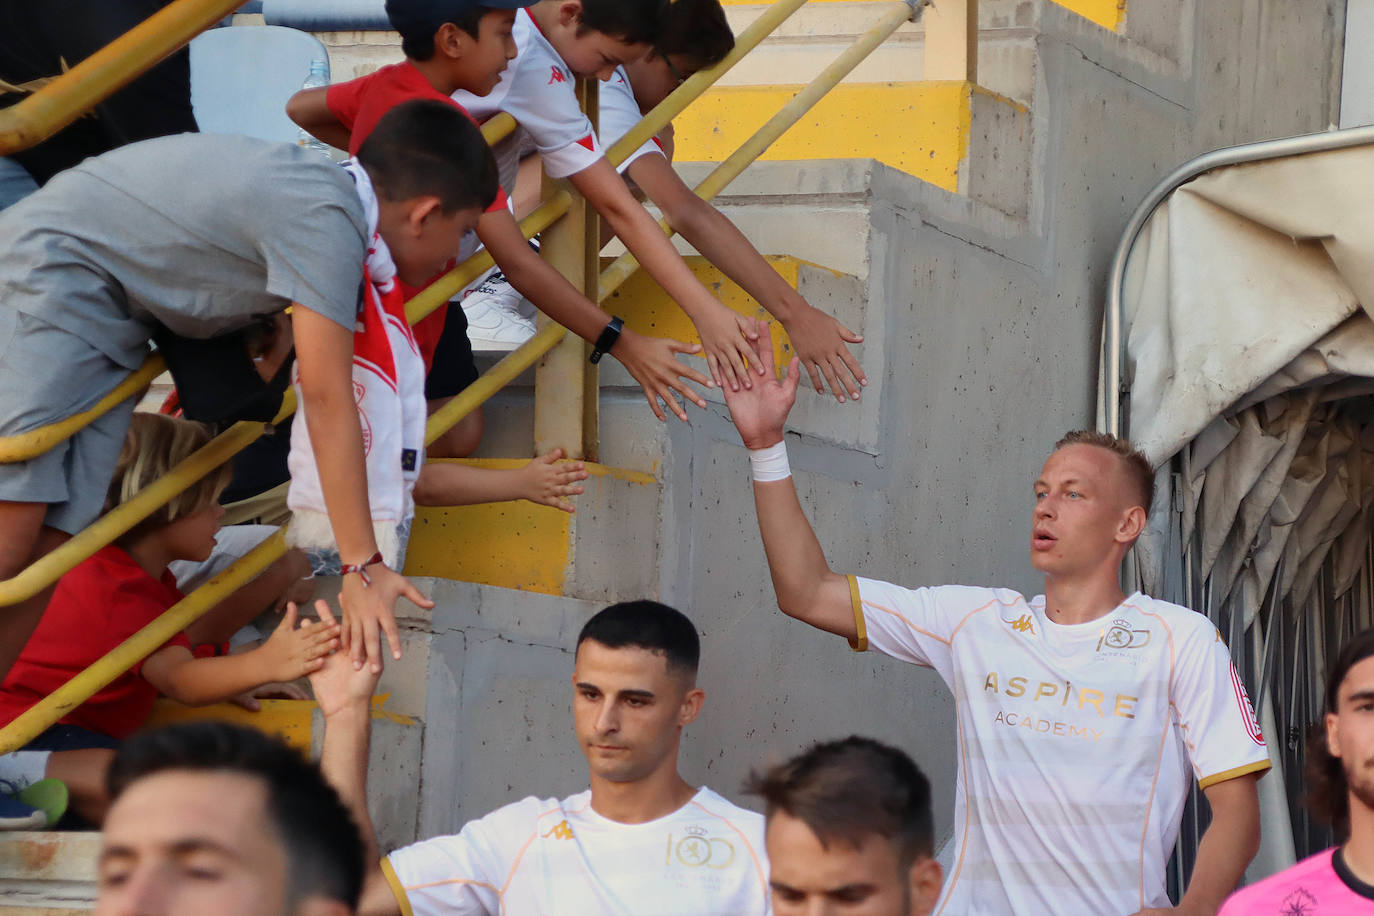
{"points": [[288, 720], [921, 128], [649, 310], [1109, 14], [509, 544]]}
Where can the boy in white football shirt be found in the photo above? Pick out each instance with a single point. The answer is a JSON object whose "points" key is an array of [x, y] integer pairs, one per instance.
{"points": [[1083, 713], [694, 35], [641, 840], [557, 41]]}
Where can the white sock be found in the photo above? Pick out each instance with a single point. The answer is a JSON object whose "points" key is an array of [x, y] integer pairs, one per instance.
{"points": [[24, 768]]}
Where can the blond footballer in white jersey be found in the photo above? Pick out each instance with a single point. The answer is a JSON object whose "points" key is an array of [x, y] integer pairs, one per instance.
{"points": [[640, 841], [1082, 714]]}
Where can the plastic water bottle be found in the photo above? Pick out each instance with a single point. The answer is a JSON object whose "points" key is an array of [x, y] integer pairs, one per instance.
{"points": [[318, 78]]}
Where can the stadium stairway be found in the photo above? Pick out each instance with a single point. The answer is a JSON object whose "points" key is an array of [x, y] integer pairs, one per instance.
{"points": [[484, 677]]}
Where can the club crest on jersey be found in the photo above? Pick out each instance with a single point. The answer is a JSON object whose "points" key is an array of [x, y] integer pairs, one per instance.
{"points": [[1120, 635], [700, 850], [556, 75]]}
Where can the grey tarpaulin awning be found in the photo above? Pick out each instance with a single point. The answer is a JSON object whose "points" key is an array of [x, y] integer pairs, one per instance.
{"points": [[1248, 355]]}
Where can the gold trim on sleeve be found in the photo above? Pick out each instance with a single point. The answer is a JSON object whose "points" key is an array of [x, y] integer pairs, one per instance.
{"points": [[860, 641], [1258, 766], [397, 890]]}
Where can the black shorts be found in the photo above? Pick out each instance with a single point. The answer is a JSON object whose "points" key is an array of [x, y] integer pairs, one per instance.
{"points": [[453, 368]]}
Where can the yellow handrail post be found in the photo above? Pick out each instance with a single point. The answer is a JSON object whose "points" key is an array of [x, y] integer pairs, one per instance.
{"points": [[560, 387], [952, 41], [90, 82]]}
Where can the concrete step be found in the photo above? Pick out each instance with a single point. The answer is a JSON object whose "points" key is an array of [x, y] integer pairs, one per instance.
{"points": [[813, 36], [48, 873], [518, 545]]}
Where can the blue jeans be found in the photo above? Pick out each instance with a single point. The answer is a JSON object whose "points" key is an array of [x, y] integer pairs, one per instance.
{"points": [[15, 182]]}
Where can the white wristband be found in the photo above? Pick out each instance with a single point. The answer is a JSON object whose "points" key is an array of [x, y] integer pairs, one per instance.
{"points": [[770, 463]]}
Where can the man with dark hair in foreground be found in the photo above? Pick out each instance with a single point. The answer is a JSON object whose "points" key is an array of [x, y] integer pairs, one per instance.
{"points": [[640, 841], [1340, 775], [1083, 714], [849, 831], [210, 818]]}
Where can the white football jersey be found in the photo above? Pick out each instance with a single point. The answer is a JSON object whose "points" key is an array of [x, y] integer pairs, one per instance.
{"points": [[1076, 743], [544, 857], [617, 113], [539, 91]]}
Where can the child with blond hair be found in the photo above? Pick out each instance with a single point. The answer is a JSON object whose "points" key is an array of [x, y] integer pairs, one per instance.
{"points": [[115, 593]]}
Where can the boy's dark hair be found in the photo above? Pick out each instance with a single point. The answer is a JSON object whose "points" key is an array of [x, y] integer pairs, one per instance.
{"points": [[631, 21], [696, 29], [1328, 795], [323, 846], [647, 625], [847, 790], [418, 20], [425, 146]]}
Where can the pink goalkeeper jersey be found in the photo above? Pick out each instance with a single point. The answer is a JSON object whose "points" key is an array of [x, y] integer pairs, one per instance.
{"points": [[1320, 885]]}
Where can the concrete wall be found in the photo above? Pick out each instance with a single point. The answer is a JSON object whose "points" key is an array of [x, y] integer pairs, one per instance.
{"points": [[983, 330]]}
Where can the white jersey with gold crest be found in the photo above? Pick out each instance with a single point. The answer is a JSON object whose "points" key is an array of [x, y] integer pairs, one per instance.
{"points": [[545, 857], [1076, 743]]}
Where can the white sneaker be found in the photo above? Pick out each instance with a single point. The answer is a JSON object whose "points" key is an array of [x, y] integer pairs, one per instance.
{"points": [[494, 320]]}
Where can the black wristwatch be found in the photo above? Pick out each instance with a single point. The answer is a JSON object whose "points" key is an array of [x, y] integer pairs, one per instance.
{"points": [[607, 339]]}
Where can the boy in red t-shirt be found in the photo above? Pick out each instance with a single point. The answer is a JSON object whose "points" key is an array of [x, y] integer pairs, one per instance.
{"points": [[453, 45], [114, 594]]}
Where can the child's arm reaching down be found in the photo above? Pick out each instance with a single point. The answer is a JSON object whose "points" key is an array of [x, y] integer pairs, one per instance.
{"points": [[311, 113], [820, 340], [291, 652], [545, 481], [725, 334]]}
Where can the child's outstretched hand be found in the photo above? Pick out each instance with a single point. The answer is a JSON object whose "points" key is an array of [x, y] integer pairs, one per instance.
{"points": [[822, 343], [727, 337], [340, 686], [294, 651], [549, 481]]}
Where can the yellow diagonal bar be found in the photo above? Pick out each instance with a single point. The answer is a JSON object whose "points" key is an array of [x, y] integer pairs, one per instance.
{"points": [[90, 82], [46, 570], [497, 128], [39, 717], [493, 380], [796, 108], [699, 82], [456, 280], [35, 442]]}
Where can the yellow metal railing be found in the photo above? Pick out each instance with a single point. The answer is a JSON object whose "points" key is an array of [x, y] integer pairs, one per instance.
{"points": [[47, 570], [90, 82]]}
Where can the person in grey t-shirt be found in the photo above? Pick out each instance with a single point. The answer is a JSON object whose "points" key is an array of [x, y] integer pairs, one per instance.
{"points": [[202, 234]]}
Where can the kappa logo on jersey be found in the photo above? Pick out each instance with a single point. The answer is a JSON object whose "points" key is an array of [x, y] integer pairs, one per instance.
{"points": [[1023, 624], [556, 75], [559, 831], [699, 850]]}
